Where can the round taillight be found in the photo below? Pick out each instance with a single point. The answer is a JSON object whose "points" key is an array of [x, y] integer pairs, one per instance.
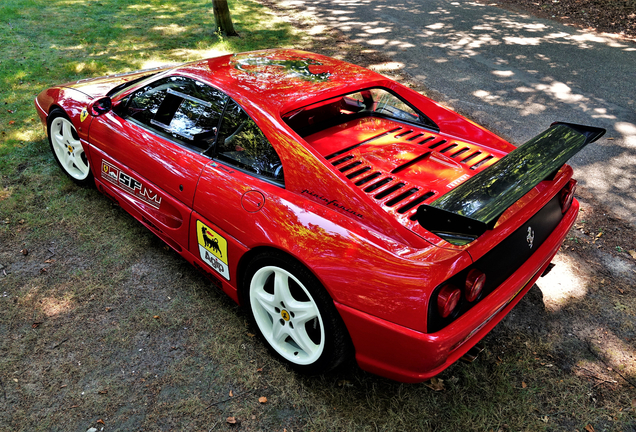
{"points": [[447, 300], [566, 195], [474, 284]]}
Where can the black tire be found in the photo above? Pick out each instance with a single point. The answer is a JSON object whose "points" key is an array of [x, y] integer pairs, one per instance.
{"points": [[297, 318], [67, 148]]}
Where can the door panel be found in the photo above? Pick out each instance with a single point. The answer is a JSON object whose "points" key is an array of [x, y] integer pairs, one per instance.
{"points": [[156, 175]]}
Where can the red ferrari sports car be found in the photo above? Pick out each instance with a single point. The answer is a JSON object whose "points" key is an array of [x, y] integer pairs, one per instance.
{"points": [[349, 215]]}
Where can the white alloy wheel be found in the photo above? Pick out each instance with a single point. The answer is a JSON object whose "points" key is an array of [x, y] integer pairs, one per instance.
{"points": [[68, 149], [287, 315]]}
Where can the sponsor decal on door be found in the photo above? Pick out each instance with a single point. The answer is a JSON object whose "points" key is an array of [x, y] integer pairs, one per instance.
{"points": [[213, 249], [128, 183]]}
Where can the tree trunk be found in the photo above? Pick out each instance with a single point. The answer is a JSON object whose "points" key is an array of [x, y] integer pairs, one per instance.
{"points": [[223, 18]]}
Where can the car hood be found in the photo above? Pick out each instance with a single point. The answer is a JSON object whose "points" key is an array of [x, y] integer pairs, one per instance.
{"points": [[98, 87]]}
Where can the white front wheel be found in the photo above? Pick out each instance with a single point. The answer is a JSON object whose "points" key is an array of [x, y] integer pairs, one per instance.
{"points": [[67, 148]]}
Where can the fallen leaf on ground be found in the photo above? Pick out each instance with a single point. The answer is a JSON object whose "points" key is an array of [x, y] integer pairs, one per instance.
{"points": [[156, 317], [262, 399], [231, 420], [25, 252], [100, 421], [632, 253], [436, 384], [589, 428], [259, 370], [523, 384], [36, 324], [12, 122], [231, 394], [251, 334], [102, 391]]}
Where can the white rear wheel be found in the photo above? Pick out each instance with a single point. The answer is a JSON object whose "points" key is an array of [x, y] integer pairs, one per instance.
{"points": [[294, 314]]}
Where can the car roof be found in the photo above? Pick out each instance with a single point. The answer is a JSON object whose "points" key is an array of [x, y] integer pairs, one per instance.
{"points": [[279, 80]]}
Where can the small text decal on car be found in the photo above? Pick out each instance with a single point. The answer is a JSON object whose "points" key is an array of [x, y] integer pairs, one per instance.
{"points": [[116, 176], [213, 249], [331, 202]]}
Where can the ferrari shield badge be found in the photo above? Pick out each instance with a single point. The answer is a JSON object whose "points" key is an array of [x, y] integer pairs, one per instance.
{"points": [[213, 249], [83, 114]]}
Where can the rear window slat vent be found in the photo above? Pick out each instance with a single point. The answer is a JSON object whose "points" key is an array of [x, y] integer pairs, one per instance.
{"points": [[350, 166], [417, 201], [414, 137], [358, 172], [378, 185], [404, 133], [461, 152], [388, 191], [472, 156], [425, 140], [437, 144], [343, 160], [401, 197], [368, 178], [481, 162], [452, 146]]}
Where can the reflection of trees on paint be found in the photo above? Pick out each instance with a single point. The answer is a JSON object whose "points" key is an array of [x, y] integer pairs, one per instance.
{"points": [[293, 68]]}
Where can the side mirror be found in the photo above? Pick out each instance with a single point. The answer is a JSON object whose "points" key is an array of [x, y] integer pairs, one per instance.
{"points": [[100, 106]]}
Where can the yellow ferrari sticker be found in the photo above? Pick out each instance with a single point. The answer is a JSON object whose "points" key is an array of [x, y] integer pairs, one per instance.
{"points": [[213, 249], [84, 114]]}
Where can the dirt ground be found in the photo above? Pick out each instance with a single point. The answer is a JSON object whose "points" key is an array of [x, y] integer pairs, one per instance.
{"points": [[614, 16]]}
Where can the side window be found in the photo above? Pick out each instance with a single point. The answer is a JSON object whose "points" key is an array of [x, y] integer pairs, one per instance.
{"points": [[241, 143], [180, 108]]}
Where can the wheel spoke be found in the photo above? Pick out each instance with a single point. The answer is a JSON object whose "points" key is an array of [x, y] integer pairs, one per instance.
{"points": [[67, 132], [69, 163], [300, 336], [281, 289], [279, 333], [303, 312], [79, 162], [266, 301]]}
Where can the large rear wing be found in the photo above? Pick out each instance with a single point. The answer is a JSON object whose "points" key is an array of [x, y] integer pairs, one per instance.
{"points": [[473, 207]]}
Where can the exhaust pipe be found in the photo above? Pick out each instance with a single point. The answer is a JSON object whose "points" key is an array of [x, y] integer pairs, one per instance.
{"points": [[472, 353]]}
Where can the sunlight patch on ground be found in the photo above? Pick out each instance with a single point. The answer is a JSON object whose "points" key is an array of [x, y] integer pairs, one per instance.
{"points": [[52, 306], [386, 67], [170, 30], [628, 130], [516, 40], [564, 283]]}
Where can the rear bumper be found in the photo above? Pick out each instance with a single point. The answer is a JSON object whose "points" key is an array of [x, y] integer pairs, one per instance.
{"points": [[403, 354]]}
